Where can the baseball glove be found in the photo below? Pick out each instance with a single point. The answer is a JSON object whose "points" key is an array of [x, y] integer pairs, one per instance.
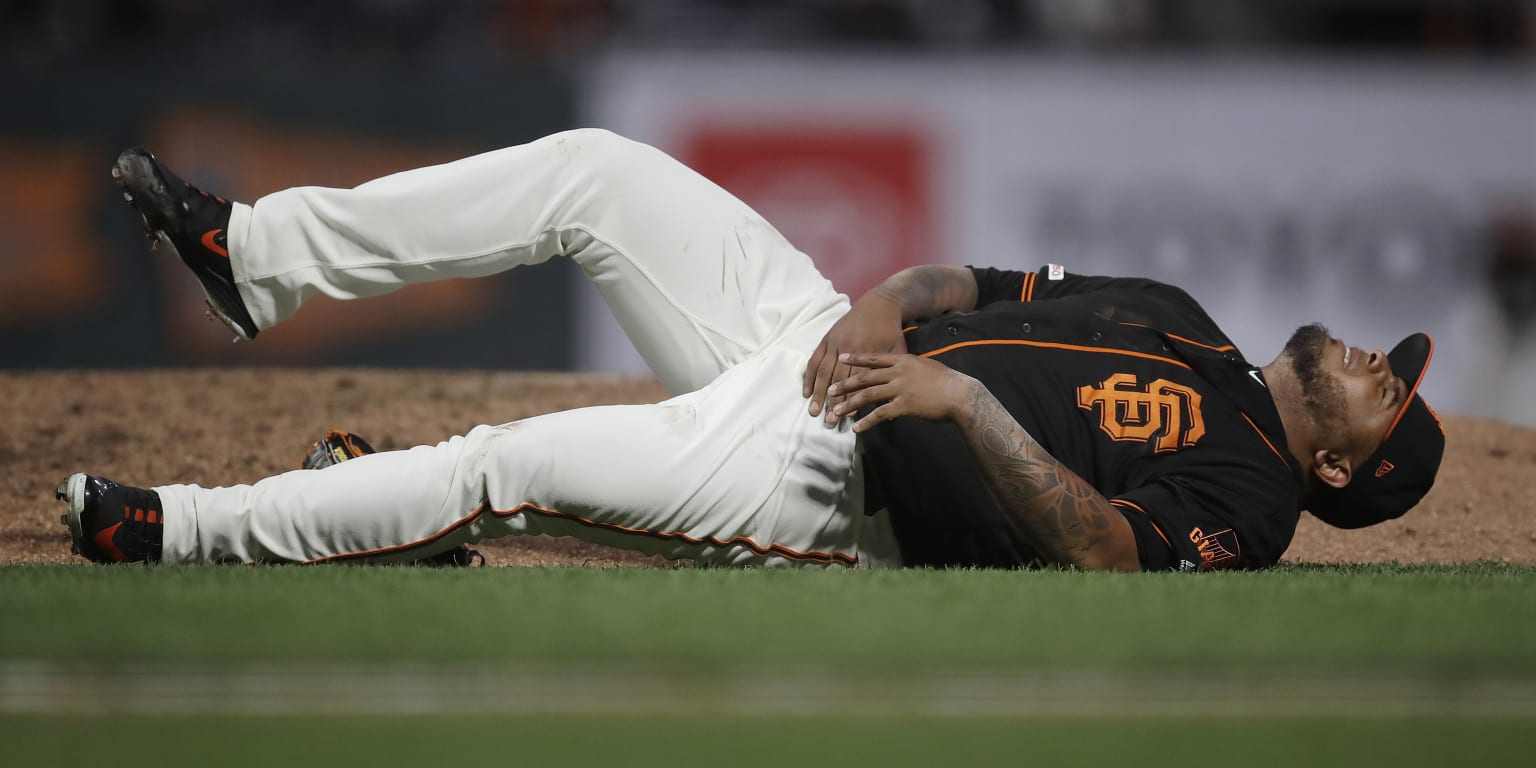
{"points": [[338, 446]]}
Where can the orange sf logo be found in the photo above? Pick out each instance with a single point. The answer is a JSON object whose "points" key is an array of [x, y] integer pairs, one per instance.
{"points": [[1163, 413]]}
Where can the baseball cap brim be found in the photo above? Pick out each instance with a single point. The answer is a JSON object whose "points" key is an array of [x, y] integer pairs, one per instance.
{"points": [[1403, 467]]}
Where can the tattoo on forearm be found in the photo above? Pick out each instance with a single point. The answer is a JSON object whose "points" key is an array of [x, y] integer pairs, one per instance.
{"points": [[1057, 511], [928, 291]]}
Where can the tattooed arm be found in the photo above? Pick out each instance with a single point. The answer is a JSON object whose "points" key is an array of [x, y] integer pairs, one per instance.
{"points": [[1059, 513], [1063, 516], [928, 290], [874, 324]]}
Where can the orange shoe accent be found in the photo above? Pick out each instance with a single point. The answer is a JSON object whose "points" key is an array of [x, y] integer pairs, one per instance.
{"points": [[104, 543], [154, 517], [208, 242], [138, 515]]}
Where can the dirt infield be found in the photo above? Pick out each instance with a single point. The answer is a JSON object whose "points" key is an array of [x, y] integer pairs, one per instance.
{"points": [[217, 427]]}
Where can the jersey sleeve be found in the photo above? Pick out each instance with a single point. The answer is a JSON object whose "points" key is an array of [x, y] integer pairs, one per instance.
{"points": [[994, 285], [1051, 281], [1182, 523]]}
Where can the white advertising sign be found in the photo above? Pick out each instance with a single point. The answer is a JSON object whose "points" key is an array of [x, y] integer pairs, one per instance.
{"points": [[1354, 193]]}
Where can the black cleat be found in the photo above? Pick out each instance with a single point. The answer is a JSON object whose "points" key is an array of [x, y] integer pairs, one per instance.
{"points": [[99, 532], [190, 222]]}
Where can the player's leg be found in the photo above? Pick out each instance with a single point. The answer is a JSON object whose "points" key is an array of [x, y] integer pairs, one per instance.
{"points": [[697, 279], [725, 475]]}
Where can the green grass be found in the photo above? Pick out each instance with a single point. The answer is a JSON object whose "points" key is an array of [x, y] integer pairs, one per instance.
{"points": [[1446, 620], [540, 741], [1302, 665]]}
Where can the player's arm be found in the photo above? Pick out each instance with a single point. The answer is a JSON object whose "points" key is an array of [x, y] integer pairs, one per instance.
{"points": [[1059, 513], [875, 322]]}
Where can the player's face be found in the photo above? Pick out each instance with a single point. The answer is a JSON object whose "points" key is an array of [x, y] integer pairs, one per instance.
{"points": [[1372, 395], [1349, 392]]}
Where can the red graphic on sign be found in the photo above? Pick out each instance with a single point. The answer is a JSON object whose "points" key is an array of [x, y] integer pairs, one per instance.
{"points": [[857, 200]]}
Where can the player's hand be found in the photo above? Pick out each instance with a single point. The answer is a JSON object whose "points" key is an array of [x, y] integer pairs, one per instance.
{"points": [[901, 385], [873, 325]]}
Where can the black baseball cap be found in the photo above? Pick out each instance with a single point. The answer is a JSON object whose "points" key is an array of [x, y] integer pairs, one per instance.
{"points": [[1403, 467]]}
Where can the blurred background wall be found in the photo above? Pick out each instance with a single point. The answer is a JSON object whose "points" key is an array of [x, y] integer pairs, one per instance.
{"points": [[1367, 163]]}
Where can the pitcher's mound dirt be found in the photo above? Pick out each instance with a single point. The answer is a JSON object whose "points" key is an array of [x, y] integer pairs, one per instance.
{"points": [[217, 427]]}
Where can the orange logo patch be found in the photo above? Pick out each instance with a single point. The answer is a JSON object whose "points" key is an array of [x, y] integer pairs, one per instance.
{"points": [[1386, 466], [1162, 413], [1216, 548]]}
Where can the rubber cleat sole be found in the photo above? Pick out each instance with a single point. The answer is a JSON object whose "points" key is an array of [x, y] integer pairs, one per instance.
{"points": [[72, 491]]}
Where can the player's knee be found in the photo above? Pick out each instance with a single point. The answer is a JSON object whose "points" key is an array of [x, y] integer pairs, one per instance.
{"points": [[595, 146], [589, 141]]}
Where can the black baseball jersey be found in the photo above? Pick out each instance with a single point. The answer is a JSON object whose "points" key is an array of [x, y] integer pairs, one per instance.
{"points": [[1127, 382]]}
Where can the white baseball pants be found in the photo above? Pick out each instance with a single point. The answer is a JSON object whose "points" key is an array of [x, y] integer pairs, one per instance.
{"points": [[731, 470]]}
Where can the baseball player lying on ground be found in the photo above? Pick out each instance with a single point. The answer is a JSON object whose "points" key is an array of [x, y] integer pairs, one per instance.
{"points": [[953, 416]]}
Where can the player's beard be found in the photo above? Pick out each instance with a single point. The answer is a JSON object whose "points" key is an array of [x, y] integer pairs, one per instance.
{"points": [[1322, 392]]}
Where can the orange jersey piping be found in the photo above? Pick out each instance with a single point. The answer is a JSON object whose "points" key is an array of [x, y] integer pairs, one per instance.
{"points": [[1265, 438], [1143, 512], [1055, 345], [1227, 348]]}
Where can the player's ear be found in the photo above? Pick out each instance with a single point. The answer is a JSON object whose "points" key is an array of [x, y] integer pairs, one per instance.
{"points": [[1332, 469]]}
